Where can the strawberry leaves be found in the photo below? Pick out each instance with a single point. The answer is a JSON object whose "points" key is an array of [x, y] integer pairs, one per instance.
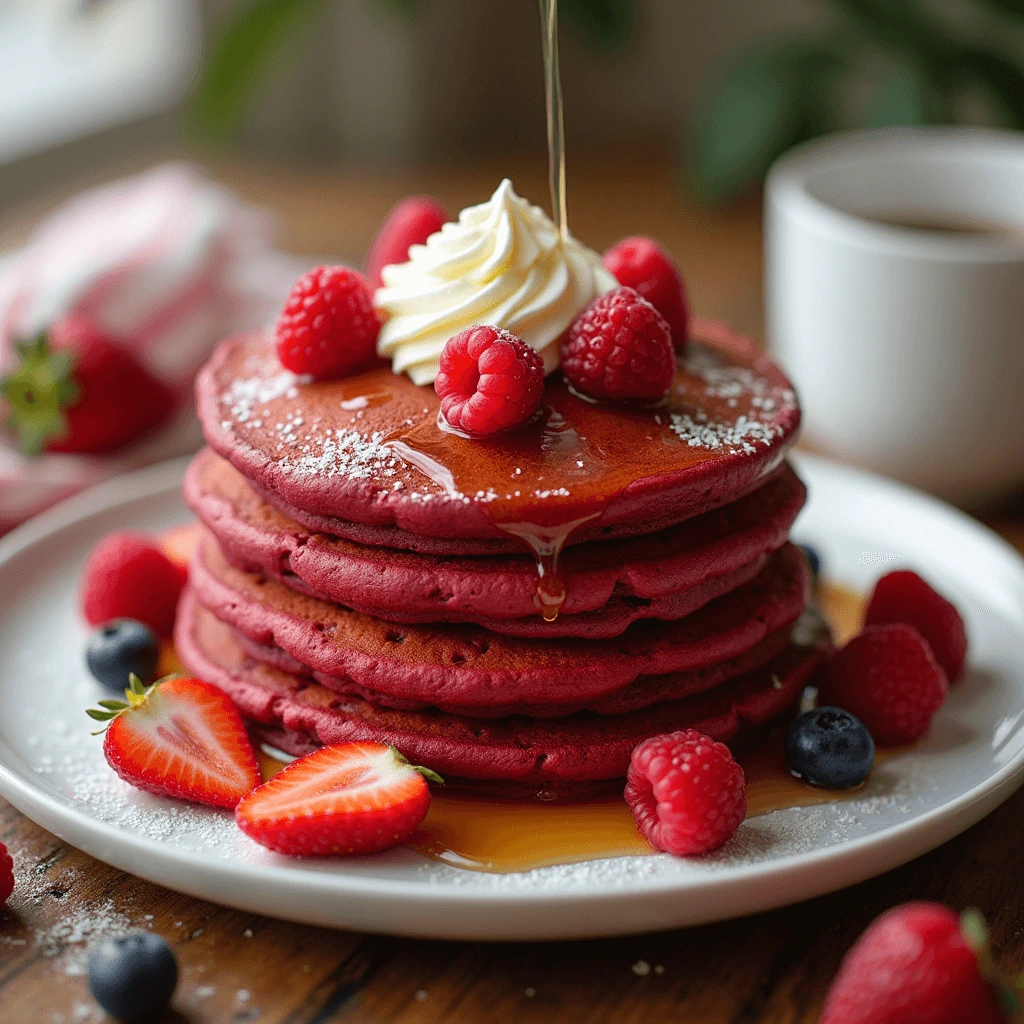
{"points": [[135, 695], [39, 391], [975, 933], [428, 773]]}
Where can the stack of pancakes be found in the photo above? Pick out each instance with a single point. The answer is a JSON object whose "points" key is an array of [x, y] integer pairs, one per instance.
{"points": [[516, 612]]}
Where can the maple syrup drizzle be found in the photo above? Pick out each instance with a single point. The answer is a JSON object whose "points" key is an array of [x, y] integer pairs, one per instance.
{"points": [[546, 543], [555, 118], [359, 402], [416, 448], [432, 448]]}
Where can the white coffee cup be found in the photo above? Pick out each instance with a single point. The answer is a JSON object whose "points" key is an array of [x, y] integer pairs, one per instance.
{"points": [[905, 343]]}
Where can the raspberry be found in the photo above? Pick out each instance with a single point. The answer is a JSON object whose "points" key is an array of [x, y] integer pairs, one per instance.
{"points": [[888, 677], [904, 597], [619, 347], [411, 222], [128, 577], [489, 381], [6, 875], [328, 326], [913, 964], [642, 264], [686, 792]]}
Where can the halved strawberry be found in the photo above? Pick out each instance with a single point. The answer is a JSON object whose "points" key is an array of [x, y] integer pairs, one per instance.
{"points": [[345, 799], [182, 738]]}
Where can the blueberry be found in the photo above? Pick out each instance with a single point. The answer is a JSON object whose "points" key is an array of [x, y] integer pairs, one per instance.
{"points": [[134, 977], [120, 647], [829, 747], [813, 556]]}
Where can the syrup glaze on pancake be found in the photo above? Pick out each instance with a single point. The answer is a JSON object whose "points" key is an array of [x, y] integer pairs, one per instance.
{"points": [[369, 449], [467, 665], [581, 747], [489, 590]]}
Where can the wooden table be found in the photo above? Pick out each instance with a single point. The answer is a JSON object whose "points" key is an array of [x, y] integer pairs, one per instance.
{"points": [[774, 967]]}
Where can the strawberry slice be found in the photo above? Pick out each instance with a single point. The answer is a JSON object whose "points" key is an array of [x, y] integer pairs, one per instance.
{"points": [[182, 738], [346, 799]]}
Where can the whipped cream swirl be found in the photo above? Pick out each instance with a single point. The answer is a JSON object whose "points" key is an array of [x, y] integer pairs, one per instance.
{"points": [[502, 263]]}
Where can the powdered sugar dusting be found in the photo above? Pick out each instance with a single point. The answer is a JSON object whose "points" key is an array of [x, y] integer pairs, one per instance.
{"points": [[759, 425], [245, 395], [82, 920], [346, 453]]}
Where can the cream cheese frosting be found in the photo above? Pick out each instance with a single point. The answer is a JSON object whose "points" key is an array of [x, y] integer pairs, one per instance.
{"points": [[501, 263]]}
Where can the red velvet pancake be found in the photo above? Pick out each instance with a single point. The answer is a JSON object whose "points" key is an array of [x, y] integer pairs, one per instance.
{"points": [[462, 664], [368, 449], [641, 693], [666, 575], [583, 747]]}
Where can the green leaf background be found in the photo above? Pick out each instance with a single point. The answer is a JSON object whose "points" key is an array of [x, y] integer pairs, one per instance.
{"points": [[773, 96]]}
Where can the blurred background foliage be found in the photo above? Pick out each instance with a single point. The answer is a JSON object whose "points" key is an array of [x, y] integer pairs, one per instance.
{"points": [[877, 63], [869, 63]]}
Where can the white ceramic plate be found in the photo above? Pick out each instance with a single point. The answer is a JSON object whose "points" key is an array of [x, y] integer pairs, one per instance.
{"points": [[973, 759]]}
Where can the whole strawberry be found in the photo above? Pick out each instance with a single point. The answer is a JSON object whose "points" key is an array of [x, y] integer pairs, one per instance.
{"points": [[642, 264], [328, 326], [914, 965], [76, 390], [6, 875], [888, 677], [687, 793], [619, 347], [411, 222]]}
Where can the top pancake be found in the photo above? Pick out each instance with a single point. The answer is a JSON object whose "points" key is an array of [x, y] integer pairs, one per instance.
{"points": [[368, 449]]}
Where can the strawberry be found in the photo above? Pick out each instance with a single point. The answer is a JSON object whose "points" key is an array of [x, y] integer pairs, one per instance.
{"points": [[918, 964], [346, 799], [77, 390], [6, 875], [182, 738]]}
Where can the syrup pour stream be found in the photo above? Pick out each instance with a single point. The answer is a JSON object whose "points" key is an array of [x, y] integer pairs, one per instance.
{"points": [[423, 448], [414, 447]]}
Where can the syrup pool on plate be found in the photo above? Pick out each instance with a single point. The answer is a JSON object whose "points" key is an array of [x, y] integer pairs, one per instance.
{"points": [[505, 836]]}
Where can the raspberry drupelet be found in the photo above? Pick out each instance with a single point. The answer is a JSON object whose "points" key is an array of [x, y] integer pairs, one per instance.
{"points": [[489, 381]]}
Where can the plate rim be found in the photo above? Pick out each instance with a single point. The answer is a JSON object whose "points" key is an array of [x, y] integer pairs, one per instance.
{"points": [[850, 861]]}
